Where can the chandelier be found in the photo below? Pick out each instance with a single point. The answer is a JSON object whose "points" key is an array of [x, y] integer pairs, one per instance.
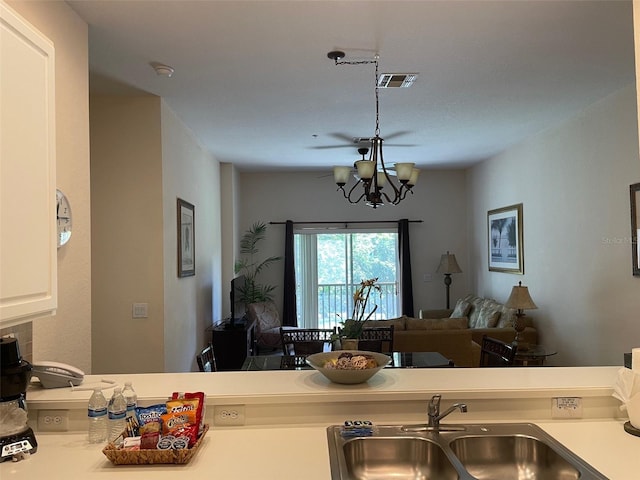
{"points": [[372, 174]]}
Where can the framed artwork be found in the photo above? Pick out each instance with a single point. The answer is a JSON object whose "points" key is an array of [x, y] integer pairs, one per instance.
{"points": [[634, 190], [186, 239], [504, 226]]}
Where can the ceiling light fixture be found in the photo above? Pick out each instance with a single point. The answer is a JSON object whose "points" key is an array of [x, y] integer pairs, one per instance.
{"points": [[162, 70], [373, 174]]}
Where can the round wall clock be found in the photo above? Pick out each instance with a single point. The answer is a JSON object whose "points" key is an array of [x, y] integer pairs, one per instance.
{"points": [[63, 218]]}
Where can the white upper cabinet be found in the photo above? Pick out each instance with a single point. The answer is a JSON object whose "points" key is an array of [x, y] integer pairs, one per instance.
{"points": [[28, 257]]}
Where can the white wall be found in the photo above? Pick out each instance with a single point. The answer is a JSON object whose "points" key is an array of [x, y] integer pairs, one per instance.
{"points": [[229, 198], [574, 183], [192, 174], [66, 337], [440, 201]]}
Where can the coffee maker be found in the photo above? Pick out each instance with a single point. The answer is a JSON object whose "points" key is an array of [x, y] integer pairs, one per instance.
{"points": [[16, 438]]}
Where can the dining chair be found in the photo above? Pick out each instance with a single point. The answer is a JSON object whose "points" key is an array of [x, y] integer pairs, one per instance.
{"points": [[496, 353], [305, 341], [376, 339], [206, 360]]}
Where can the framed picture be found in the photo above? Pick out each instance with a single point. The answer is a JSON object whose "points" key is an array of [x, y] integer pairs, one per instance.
{"points": [[634, 190], [186, 239], [505, 239]]}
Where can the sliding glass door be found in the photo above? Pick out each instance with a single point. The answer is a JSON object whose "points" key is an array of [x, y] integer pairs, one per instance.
{"points": [[330, 265]]}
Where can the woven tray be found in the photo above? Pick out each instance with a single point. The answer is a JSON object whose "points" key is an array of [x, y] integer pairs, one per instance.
{"points": [[151, 457]]}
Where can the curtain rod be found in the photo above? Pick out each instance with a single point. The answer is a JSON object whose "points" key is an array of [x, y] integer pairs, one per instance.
{"points": [[342, 221]]}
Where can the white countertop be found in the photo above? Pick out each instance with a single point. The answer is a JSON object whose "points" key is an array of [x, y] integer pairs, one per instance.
{"points": [[288, 411], [283, 453]]}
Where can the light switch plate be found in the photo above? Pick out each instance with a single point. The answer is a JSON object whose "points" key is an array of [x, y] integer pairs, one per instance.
{"points": [[140, 310]]}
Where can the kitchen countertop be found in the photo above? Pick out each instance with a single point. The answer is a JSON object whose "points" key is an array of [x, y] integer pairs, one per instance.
{"points": [[282, 453], [287, 414]]}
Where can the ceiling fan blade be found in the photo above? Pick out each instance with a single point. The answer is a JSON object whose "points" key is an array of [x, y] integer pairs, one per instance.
{"points": [[326, 147], [395, 135], [342, 136]]}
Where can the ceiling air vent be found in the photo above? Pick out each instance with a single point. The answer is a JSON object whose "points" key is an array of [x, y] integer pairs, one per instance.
{"points": [[396, 80]]}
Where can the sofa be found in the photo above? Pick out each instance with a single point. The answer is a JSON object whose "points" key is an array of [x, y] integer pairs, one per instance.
{"points": [[456, 333]]}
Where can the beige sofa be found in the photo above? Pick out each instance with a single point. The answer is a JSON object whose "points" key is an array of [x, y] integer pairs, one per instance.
{"points": [[456, 333]]}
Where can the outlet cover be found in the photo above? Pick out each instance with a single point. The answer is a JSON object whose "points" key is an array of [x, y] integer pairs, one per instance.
{"points": [[53, 420], [232, 415]]}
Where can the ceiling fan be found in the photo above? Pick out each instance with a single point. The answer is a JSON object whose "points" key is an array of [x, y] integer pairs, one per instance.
{"points": [[351, 141]]}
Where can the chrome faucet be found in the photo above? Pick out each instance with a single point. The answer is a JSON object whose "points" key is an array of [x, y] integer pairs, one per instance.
{"points": [[434, 414]]}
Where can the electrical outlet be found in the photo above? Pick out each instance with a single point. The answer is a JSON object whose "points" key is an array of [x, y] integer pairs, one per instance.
{"points": [[566, 407], [228, 415], [53, 420]]}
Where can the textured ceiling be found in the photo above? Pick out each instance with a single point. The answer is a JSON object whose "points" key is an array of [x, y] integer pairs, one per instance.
{"points": [[253, 82]]}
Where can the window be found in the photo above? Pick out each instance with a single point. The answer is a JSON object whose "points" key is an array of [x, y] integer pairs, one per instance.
{"points": [[329, 266]]}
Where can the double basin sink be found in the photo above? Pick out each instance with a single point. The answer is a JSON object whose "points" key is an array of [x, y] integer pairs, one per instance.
{"points": [[513, 451]]}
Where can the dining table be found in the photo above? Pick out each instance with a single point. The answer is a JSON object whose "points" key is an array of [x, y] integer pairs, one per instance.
{"points": [[298, 362]]}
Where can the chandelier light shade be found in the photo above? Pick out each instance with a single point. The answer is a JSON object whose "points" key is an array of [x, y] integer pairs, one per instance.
{"points": [[520, 300], [448, 265], [372, 174]]}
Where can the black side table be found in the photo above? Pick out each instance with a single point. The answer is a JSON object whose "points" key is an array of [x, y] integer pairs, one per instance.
{"points": [[231, 345]]}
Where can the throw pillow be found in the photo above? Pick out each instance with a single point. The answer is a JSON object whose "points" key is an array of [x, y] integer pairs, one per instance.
{"points": [[461, 309], [489, 315], [476, 305], [437, 323], [507, 317]]}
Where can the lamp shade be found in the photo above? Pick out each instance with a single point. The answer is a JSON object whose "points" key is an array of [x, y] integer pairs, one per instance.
{"points": [[448, 264], [414, 177], [520, 298], [341, 175], [404, 170], [366, 169]]}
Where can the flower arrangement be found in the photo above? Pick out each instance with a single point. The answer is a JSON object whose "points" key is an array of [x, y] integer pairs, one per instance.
{"points": [[352, 327]]}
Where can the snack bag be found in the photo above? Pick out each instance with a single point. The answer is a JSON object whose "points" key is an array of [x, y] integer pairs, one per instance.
{"points": [[149, 418], [200, 411], [180, 424]]}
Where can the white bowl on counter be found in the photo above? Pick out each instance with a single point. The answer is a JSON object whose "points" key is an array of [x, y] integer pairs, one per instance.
{"points": [[344, 376]]}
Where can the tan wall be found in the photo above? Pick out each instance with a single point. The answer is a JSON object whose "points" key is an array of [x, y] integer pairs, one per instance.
{"points": [[192, 174], [127, 225], [66, 337], [573, 181]]}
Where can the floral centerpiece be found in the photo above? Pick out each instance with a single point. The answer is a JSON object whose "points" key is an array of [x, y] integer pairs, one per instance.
{"points": [[352, 327]]}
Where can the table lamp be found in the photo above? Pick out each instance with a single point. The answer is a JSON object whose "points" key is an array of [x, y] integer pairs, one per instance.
{"points": [[448, 265], [520, 300]]}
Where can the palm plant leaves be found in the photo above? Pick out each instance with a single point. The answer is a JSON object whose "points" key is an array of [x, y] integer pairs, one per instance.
{"points": [[253, 292]]}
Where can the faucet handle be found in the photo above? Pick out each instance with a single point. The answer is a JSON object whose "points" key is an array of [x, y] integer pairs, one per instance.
{"points": [[434, 404]]}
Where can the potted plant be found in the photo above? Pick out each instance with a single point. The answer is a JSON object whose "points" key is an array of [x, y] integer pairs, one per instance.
{"points": [[351, 329], [250, 267]]}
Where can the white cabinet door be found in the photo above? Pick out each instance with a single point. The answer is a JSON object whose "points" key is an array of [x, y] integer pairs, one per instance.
{"points": [[28, 258]]}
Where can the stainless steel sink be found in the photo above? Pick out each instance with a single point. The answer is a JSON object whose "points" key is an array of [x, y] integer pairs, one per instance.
{"points": [[396, 457], [513, 451]]}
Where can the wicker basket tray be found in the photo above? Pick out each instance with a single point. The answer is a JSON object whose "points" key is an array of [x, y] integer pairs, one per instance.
{"points": [[151, 457]]}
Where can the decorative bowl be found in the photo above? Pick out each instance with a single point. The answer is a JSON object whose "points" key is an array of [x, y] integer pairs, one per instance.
{"points": [[351, 376]]}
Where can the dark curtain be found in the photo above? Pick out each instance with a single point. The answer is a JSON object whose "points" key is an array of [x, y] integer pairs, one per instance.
{"points": [[289, 314], [406, 284]]}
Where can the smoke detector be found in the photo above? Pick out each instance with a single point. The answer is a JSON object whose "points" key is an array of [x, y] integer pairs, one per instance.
{"points": [[162, 70], [396, 80]]}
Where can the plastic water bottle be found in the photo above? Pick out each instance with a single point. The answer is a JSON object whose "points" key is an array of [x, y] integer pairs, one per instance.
{"points": [[97, 414], [131, 398], [117, 410]]}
